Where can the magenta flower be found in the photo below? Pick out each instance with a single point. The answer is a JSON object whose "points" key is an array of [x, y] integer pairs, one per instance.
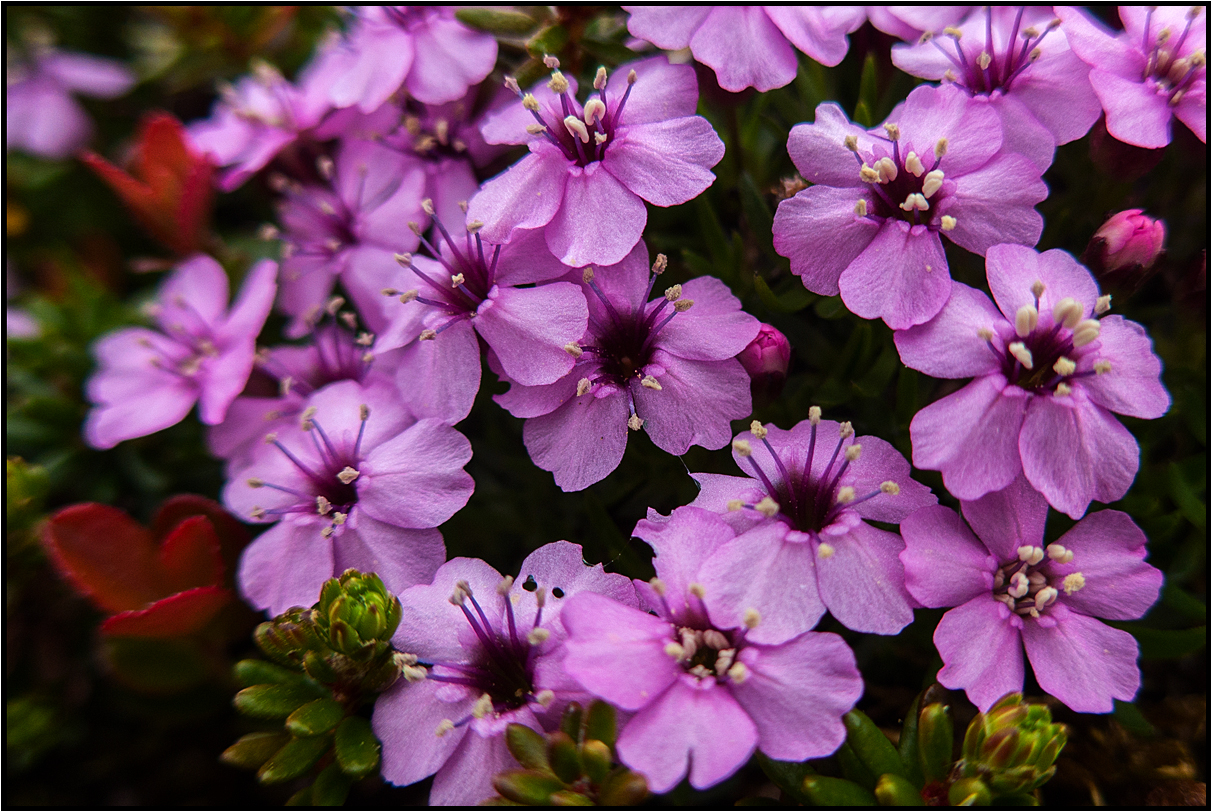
{"points": [[423, 50], [485, 652], [668, 366], [1017, 62], [40, 115], [351, 229], [910, 22], [358, 482], [1047, 375], [1152, 71], [872, 230], [705, 693], [1011, 591], [148, 380], [469, 288], [591, 168], [749, 46], [804, 544]]}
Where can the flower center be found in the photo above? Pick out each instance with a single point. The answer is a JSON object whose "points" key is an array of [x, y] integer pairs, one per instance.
{"points": [[901, 185], [1024, 587], [436, 140], [1172, 74], [701, 649], [991, 70]]}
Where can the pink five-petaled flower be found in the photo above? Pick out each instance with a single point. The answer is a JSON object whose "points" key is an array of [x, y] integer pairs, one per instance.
{"points": [[1047, 375], [1152, 71], [870, 226], [1011, 591], [469, 288], [1016, 61], [749, 46], [148, 380], [358, 482], [704, 692], [591, 168], [804, 544], [484, 652], [668, 366]]}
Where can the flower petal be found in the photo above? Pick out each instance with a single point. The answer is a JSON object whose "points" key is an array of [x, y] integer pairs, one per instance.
{"points": [[981, 649], [945, 565], [901, 277], [1082, 662], [599, 221]]}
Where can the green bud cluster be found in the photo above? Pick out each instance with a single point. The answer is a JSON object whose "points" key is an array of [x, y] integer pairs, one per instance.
{"points": [[1012, 747], [574, 766], [327, 662]]}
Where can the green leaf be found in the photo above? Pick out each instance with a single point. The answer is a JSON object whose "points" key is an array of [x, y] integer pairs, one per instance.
{"points": [[757, 213], [502, 21], [1188, 501], [597, 758], [315, 718], [896, 790], [853, 768], [907, 746], [601, 723], [1132, 720], [272, 701], [622, 788], [527, 746], [871, 745], [567, 797], [563, 756], [935, 737], [787, 775], [254, 749], [532, 787], [294, 758], [790, 301], [550, 40], [1187, 605], [356, 747], [259, 672], [830, 307], [868, 98], [825, 791], [713, 234], [1166, 644], [331, 787]]}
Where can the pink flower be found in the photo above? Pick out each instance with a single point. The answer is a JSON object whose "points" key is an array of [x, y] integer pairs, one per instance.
{"points": [[667, 366], [766, 360], [910, 22], [749, 46], [1015, 61], [485, 652], [1047, 373], [1152, 71], [148, 380], [871, 225], [357, 482], [591, 168], [1125, 247], [805, 545], [705, 693], [1011, 591]]}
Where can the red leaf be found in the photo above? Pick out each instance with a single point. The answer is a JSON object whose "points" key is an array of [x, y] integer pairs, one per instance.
{"points": [[106, 555], [232, 534], [178, 615], [190, 556]]}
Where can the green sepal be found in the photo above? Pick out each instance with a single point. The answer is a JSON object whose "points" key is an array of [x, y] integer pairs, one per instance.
{"points": [[622, 788], [272, 701], [907, 746], [567, 797], [935, 740], [825, 791], [319, 668], [549, 40], [293, 759], [601, 723], [853, 768], [533, 787], [570, 721], [505, 22], [300, 798], [253, 749], [356, 748], [261, 672], [896, 790], [331, 787], [788, 776], [1019, 779], [563, 756], [596, 759], [315, 718], [871, 745], [969, 792], [527, 746]]}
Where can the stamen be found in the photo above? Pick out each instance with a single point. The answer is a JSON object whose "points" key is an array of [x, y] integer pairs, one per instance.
{"points": [[1064, 367], [323, 506], [886, 169], [635, 422], [583, 386], [1085, 332], [599, 79], [868, 174], [594, 111], [1030, 554], [825, 550], [940, 149], [483, 706], [577, 128], [890, 488], [767, 507], [1073, 582], [738, 673], [1045, 597], [851, 143], [1103, 304], [1102, 367], [814, 415], [537, 636], [914, 164], [649, 382], [348, 475], [758, 430], [675, 651], [751, 618], [558, 83], [733, 505], [1020, 352], [545, 697], [932, 183], [860, 208], [742, 447], [916, 201], [1068, 311], [1059, 553], [1019, 585], [845, 495], [946, 223], [573, 349], [1025, 320], [1064, 390], [444, 727]]}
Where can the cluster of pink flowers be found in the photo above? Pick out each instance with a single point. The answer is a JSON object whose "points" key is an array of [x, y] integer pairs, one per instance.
{"points": [[345, 444]]}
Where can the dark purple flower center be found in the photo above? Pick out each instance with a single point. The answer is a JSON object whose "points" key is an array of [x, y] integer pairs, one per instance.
{"points": [[1172, 73], [194, 338], [582, 133], [992, 69], [436, 139], [1024, 585], [320, 223], [904, 185], [338, 355], [700, 648]]}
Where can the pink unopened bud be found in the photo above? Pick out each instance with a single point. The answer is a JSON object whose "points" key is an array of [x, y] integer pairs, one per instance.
{"points": [[766, 360], [1121, 252]]}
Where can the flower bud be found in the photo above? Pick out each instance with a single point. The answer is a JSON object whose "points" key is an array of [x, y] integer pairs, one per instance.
{"points": [[766, 360], [1125, 246], [355, 610], [1012, 746]]}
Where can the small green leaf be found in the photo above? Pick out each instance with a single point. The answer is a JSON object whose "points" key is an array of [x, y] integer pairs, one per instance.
{"points": [[260, 672], [331, 787], [825, 791], [969, 792], [868, 99], [895, 790], [272, 701], [830, 307], [294, 758], [757, 213], [532, 787], [907, 746], [601, 723], [853, 768], [315, 718], [871, 745], [935, 737], [622, 788], [356, 747], [596, 757], [550, 40], [567, 797], [253, 749], [563, 756], [570, 720], [788, 776], [503, 21], [1188, 501], [527, 746], [792, 300], [1166, 644]]}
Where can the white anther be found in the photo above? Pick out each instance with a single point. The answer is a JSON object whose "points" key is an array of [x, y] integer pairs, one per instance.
{"points": [[537, 636], [413, 673], [1019, 585], [1073, 582], [456, 280], [328, 531], [952, 31], [660, 264], [1031, 554], [428, 335], [530, 103], [1064, 367], [845, 495], [536, 129], [758, 430], [853, 452], [1085, 332], [583, 386], [915, 201], [635, 422], [573, 349], [545, 697], [932, 183], [404, 259], [558, 84], [949, 76], [595, 111], [1068, 311], [733, 505], [1102, 367], [860, 208], [673, 293], [577, 128], [253, 482], [1045, 597], [323, 506], [444, 727], [1037, 579], [767, 507], [697, 590], [886, 169], [984, 60], [658, 586], [682, 305], [348, 475], [1064, 390], [483, 706], [751, 618], [1059, 553], [690, 642], [587, 274], [1038, 288], [257, 512], [851, 143], [894, 131], [715, 639], [738, 673], [742, 447], [825, 550], [700, 671], [649, 382], [889, 487], [1102, 304], [724, 660], [504, 585], [599, 79], [1023, 355], [814, 415], [914, 164], [868, 175], [305, 418], [1025, 320], [327, 209], [940, 148], [631, 77]]}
